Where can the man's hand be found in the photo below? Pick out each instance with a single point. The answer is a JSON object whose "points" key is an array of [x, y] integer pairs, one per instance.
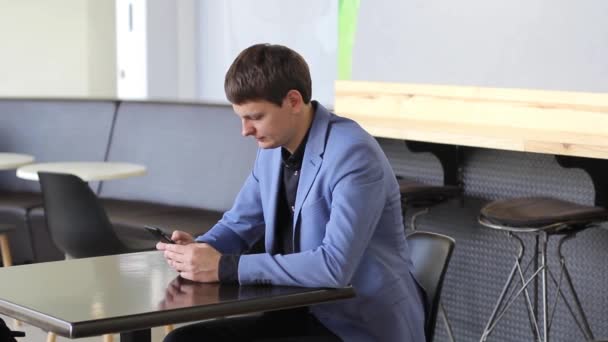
{"points": [[193, 261]]}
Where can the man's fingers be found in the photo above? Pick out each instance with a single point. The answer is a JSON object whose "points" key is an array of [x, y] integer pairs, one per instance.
{"points": [[174, 248], [182, 237], [182, 266], [170, 255]]}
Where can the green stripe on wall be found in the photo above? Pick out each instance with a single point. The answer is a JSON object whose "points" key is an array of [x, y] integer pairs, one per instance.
{"points": [[347, 24]]}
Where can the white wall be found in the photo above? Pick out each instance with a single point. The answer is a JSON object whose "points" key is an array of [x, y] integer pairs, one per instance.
{"points": [[227, 27], [75, 48], [131, 49], [543, 44], [156, 49], [57, 48]]}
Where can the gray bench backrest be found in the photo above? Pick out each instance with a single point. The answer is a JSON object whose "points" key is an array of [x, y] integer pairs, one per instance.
{"points": [[53, 130], [194, 154]]}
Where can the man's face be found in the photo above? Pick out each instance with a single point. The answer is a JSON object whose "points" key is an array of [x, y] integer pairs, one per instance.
{"points": [[272, 126]]}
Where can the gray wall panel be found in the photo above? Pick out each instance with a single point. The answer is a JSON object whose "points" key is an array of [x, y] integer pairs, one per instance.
{"points": [[53, 131], [194, 154]]}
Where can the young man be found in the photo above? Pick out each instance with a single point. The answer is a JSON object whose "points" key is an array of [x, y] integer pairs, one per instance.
{"points": [[323, 195]]}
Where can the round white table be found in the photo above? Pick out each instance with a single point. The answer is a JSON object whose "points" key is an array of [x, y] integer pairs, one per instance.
{"points": [[10, 161], [87, 171]]}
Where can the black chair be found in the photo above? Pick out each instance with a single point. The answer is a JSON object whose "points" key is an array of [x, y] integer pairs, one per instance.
{"points": [[77, 222], [8, 335], [543, 217], [430, 253], [79, 225], [420, 197]]}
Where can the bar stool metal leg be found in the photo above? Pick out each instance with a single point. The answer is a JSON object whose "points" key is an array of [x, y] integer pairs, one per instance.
{"points": [[446, 322], [583, 323], [543, 266], [415, 217], [503, 305], [575, 309]]}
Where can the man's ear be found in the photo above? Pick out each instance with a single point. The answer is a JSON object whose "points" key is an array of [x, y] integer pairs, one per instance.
{"points": [[294, 100]]}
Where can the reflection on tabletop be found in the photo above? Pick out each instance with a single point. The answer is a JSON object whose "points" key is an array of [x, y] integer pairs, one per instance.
{"points": [[183, 293]]}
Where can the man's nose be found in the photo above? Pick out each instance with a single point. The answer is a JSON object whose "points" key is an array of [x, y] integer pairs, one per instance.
{"points": [[247, 129]]}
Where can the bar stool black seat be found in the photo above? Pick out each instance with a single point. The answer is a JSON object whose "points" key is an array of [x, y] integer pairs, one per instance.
{"points": [[416, 194], [419, 195], [544, 217]]}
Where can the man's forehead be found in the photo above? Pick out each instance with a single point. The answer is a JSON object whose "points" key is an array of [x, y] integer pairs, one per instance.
{"points": [[251, 108]]}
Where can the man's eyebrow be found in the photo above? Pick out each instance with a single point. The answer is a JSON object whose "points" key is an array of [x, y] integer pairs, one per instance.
{"points": [[251, 115]]}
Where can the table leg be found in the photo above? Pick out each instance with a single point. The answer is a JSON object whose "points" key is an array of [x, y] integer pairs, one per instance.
{"points": [[144, 335]]}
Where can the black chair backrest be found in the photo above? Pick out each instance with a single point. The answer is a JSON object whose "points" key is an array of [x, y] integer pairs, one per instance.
{"points": [[78, 224], [430, 253]]}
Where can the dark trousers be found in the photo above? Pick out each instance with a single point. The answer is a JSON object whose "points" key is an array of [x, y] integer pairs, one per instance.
{"points": [[285, 325]]}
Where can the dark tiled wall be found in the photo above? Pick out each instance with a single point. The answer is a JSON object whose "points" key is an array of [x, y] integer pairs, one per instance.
{"points": [[483, 257]]}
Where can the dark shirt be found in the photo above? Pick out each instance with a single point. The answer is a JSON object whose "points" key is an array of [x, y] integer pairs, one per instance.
{"points": [[291, 165], [284, 240]]}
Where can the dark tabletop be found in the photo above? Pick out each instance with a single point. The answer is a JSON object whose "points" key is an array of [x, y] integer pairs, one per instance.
{"points": [[93, 296]]}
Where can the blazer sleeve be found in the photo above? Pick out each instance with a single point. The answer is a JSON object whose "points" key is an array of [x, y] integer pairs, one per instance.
{"points": [[242, 225], [358, 197]]}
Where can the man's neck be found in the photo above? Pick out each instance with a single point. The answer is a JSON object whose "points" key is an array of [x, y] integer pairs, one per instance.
{"points": [[307, 117]]}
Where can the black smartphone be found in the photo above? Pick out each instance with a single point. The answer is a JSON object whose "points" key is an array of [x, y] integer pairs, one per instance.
{"points": [[160, 234]]}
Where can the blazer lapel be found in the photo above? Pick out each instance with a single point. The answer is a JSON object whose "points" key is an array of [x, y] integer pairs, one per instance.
{"points": [[273, 195], [313, 157]]}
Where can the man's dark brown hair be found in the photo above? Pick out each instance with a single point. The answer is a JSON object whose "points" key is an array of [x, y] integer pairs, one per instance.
{"points": [[267, 72]]}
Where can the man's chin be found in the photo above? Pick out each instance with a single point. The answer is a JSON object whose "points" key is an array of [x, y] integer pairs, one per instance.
{"points": [[266, 144]]}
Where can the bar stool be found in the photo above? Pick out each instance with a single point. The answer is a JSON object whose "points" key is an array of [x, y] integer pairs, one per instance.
{"points": [[544, 217], [421, 196]]}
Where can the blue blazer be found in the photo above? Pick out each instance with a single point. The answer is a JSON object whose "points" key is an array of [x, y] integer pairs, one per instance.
{"points": [[348, 229]]}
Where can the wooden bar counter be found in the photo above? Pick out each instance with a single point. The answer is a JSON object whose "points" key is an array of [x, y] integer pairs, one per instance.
{"points": [[552, 122]]}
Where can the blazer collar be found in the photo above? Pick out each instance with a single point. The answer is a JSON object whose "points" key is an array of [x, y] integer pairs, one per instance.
{"points": [[318, 132]]}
